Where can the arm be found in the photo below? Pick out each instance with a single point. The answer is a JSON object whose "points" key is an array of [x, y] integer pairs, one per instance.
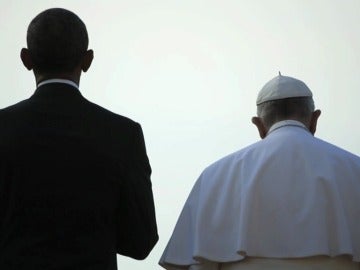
{"points": [[137, 233]]}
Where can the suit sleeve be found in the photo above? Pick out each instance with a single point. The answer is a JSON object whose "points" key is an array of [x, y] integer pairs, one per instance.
{"points": [[137, 234]]}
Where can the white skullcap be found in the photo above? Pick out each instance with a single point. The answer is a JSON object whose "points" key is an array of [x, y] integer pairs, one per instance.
{"points": [[282, 87]]}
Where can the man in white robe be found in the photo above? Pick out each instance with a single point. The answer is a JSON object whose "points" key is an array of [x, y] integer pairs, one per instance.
{"points": [[288, 201]]}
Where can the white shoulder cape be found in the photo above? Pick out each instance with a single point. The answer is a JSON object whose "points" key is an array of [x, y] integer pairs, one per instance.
{"points": [[289, 195]]}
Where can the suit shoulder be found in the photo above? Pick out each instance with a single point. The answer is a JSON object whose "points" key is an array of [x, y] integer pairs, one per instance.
{"points": [[109, 115], [7, 113], [14, 106]]}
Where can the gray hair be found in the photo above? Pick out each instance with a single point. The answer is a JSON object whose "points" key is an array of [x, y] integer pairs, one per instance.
{"points": [[299, 108]]}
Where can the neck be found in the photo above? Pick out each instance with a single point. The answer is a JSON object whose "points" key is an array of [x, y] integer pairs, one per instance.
{"points": [[74, 76], [287, 122]]}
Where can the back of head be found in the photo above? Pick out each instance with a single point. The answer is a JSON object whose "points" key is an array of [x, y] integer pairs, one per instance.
{"points": [[284, 98], [57, 40], [299, 108]]}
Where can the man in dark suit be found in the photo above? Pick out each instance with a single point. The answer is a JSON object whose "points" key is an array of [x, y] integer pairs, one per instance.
{"points": [[75, 184]]}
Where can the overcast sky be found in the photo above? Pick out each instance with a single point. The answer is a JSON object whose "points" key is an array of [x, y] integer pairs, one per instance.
{"points": [[190, 71]]}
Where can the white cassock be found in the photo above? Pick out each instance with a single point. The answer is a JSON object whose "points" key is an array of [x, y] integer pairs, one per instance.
{"points": [[289, 195]]}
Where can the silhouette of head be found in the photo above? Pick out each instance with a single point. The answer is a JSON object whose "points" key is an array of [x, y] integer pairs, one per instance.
{"points": [[57, 41]]}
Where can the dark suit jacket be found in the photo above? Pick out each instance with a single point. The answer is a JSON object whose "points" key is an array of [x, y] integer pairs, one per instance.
{"points": [[75, 184]]}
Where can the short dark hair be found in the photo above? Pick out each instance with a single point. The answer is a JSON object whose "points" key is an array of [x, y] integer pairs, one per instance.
{"points": [[57, 40], [299, 108]]}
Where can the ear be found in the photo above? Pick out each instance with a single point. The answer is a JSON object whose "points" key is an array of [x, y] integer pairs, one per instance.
{"points": [[26, 59], [87, 60], [313, 121], [257, 121]]}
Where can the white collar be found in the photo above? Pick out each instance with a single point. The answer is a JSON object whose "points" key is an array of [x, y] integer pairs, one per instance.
{"points": [[58, 81], [284, 123]]}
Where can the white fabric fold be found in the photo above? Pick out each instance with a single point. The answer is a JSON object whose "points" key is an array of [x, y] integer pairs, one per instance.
{"points": [[290, 195]]}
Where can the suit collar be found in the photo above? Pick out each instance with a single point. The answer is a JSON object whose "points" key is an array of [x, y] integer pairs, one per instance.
{"points": [[56, 90], [55, 80]]}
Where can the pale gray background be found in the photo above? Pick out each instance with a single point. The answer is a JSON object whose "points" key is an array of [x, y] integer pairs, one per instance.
{"points": [[189, 72]]}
